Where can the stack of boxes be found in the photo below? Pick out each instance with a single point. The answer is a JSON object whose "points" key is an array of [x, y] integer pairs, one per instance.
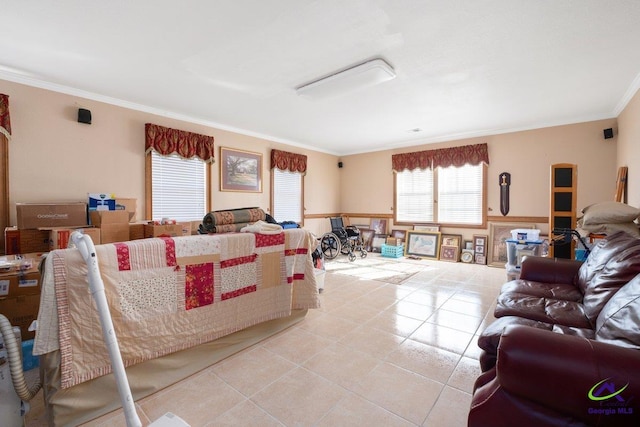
{"points": [[41, 226], [38, 225], [20, 291], [112, 217]]}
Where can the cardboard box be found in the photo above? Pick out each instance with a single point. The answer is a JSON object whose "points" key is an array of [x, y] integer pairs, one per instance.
{"points": [[113, 225], [128, 205], [136, 231], [393, 241], [100, 218], [173, 230], [59, 237], [39, 215], [21, 311], [18, 282], [25, 241], [102, 202], [111, 233]]}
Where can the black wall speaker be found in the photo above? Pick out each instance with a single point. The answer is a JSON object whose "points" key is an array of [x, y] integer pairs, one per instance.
{"points": [[84, 116], [340, 164], [608, 133]]}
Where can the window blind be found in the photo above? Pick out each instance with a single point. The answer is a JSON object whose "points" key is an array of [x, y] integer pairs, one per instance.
{"points": [[460, 195], [178, 187], [414, 196], [287, 196]]}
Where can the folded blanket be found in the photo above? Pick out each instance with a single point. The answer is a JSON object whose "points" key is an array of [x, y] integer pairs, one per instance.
{"points": [[233, 216], [262, 227]]}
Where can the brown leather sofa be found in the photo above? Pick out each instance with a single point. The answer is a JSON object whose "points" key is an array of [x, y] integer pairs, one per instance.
{"points": [[566, 341]]}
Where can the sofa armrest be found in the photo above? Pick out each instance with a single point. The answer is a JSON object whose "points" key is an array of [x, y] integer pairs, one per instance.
{"points": [[569, 374], [550, 270]]}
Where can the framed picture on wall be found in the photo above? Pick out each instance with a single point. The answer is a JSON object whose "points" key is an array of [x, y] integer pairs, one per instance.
{"points": [[479, 243], [366, 234], [499, 233], [423, 244], [449, 253], [379, 225], [240, 171], [377, 242], [426, 227], [399, 234]]}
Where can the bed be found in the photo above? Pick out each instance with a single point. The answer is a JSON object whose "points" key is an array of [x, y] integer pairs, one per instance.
{"points": [[178, 305]]}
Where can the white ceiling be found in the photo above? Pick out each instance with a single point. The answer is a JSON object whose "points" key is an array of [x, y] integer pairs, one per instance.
{"points": [[464, 67]]}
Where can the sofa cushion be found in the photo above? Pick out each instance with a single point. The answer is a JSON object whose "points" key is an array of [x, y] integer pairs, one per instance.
{"points": [[619, 320], [561, 291], [623, 266], [600, 254], [549, 310]]}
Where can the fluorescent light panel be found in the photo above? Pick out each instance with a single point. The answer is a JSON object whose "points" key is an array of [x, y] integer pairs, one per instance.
{"points": [[367, 74]]}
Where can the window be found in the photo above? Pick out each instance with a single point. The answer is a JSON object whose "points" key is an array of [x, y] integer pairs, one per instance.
{"points": [[287, 195], [179, 187], [414, 196], [460, 194], [458, 191]]}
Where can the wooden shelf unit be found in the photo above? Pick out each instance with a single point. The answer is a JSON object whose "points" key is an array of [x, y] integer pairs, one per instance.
{"points": [[564, 184]]}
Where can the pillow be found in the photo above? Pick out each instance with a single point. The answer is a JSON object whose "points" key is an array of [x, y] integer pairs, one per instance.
{"points": [[611, 228], [609, 212]]}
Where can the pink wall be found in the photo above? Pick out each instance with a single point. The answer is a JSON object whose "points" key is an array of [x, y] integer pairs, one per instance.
{"points": [[629, 147], [527, 155], [54, 158]]}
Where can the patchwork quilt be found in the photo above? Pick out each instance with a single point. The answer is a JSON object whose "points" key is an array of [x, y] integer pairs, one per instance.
{"points": [[170, 294]]}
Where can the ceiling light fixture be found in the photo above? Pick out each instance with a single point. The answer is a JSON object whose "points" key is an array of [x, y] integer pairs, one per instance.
{"points": [[363, 75]]}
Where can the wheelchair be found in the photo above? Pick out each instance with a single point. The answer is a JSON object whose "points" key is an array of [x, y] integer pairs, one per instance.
{"points": [[342, 240]]}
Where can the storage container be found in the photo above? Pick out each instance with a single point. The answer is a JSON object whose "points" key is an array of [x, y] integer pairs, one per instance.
{"points": [[518, 249], [392, 251], [529, 234]]}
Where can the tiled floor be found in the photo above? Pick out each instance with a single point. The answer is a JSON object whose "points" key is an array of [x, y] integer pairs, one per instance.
{"points": [[375, 354]]}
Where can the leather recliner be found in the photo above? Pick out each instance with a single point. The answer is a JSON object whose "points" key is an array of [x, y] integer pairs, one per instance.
{"points": [[571, 319]]}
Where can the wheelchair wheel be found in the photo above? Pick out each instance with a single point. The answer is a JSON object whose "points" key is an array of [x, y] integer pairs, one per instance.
{"points": [[363, 253], [330, 245], [352, 256]]}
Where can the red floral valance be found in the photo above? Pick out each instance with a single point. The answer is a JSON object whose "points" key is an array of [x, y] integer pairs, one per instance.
{"points": [[5, 122], [186, 144], [284, 161], [442, 157]]}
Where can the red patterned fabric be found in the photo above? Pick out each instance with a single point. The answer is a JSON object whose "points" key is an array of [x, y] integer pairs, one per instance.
{"points": [[170, 251], [186, 144], [198, 290], [5, 121], [122, 252], [226, 263], [238, 292], [263, 240], [442, 157], [286, 161]]}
